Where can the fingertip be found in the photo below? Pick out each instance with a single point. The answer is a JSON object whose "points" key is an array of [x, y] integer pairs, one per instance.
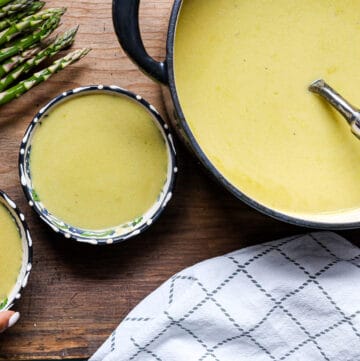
{"points": [[4, 319]]}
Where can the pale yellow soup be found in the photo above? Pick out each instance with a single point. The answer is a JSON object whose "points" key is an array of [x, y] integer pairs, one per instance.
{"points": [[98, 161], [242, 70], [10, 253]]}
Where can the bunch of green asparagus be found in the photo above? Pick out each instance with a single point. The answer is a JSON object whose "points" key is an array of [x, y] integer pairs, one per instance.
{"points": [[24, 30]]}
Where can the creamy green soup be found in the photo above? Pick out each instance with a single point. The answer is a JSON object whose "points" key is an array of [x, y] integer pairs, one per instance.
{"points": [[242, 70], [98, 161], [10, 253]]}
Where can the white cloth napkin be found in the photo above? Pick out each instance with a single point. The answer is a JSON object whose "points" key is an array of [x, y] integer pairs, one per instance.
{"points": [[292, 299]]}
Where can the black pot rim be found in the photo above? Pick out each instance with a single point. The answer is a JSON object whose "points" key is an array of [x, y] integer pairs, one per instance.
{"points": [[93, 240], [206, 161], [25, 236]]}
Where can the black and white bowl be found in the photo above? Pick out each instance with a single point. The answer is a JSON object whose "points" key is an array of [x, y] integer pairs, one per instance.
{"points": [[26, 264], [114, 234]]}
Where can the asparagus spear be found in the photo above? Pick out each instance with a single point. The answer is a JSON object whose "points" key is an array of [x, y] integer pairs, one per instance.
{"points": [[29, 22], [30, 10], [29, 40], [13, 7], [41, 76], [4, 2], [16, 60], [60, 43]]}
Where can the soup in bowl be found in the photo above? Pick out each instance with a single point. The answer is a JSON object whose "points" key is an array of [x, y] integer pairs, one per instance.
{"points": [[98, 164], [15, 252]]}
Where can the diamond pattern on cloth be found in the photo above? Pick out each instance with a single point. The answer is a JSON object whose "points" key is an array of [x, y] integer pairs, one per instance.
{"points": [[293, 299]]}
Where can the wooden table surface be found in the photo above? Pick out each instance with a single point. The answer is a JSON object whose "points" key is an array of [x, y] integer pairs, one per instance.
{"points": [[78, 294]]}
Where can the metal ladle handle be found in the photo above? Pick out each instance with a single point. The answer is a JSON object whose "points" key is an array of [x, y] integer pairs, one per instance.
{"points": [[349, 112]]}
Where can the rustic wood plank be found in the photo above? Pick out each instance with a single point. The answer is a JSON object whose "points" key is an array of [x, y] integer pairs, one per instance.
{"points": [[78, 294]]}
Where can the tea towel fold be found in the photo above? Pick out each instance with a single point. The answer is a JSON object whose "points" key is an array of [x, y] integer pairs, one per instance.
{"points": [[293, 299]]}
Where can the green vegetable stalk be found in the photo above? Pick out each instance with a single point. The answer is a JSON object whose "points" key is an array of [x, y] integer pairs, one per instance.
{"points": [[12, 19], [13, 7], [29, 40], [24, 44], [16, 60], [60, 43], [41, 76], [29, 22]]}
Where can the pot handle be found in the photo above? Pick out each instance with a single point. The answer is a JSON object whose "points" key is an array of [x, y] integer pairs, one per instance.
{"points": [[126, 24]]}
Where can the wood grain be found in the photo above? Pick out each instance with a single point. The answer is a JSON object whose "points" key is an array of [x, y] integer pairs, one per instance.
{"points": [[78, 294]]}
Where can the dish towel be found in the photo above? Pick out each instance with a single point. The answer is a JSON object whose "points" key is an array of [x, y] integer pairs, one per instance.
{"points": [[293, 299]]}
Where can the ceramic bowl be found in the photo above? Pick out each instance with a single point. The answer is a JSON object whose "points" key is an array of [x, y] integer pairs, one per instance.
{"points": [[121, 232], [26, 266]]}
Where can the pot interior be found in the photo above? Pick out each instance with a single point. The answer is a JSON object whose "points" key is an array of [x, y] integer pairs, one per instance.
{"points": [[241, 71]]}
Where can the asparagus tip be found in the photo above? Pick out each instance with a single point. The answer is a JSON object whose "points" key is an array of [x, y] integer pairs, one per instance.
{"points": [[78, 54], [81, 52], [57, 11], [71, 32], [86, 51], [66, 38]]}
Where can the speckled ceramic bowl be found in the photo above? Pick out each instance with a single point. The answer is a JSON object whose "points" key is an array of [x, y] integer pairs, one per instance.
{"points": [[105, 236], [26, 266]]}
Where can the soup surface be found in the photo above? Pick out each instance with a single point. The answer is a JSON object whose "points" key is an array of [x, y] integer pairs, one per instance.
{"points": [[242, 70], [98, 161], [10, 253]]}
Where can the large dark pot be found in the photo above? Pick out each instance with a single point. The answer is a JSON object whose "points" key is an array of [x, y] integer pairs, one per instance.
{"points": [[126, 24]]}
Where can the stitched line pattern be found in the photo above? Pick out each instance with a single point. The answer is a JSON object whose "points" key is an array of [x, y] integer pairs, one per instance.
{"points": [[278, 304]]}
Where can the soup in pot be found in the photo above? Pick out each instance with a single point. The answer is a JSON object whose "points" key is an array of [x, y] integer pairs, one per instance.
{"points": [[242, 71]]}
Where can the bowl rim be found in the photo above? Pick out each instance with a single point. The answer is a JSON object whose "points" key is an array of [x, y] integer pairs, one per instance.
{"points": [[92, 237], [26, 240]]}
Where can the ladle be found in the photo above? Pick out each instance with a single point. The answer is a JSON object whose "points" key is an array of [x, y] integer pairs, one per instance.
{"points": [[348, 111]]}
